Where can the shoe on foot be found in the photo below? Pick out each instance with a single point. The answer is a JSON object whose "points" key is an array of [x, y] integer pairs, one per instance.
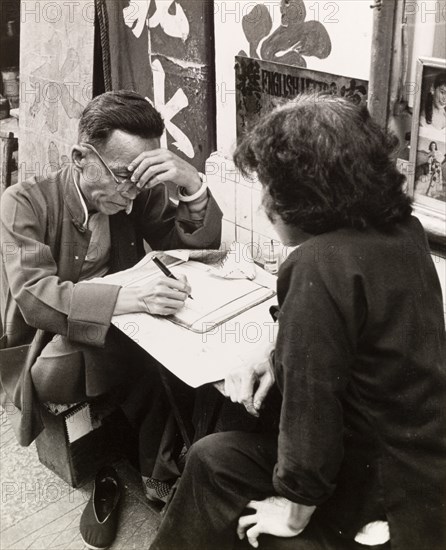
{"points": [[99, 520], [155, 490]]}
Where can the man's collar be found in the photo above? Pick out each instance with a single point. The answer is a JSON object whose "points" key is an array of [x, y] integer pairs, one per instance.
{"points": [[81, 198], [72, 198]]}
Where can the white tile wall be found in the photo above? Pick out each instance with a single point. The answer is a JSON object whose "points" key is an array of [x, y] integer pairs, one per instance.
{"points": [[224, 193], [243, 236], [228, 234], [240, 199], [243, 206], [260, 221]]}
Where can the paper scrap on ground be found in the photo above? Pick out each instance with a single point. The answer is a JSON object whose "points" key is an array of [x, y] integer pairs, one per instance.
{"points": [[237, 263]]}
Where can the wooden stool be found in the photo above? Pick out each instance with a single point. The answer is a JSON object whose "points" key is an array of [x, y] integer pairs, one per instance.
{"points": [[79, 439]]}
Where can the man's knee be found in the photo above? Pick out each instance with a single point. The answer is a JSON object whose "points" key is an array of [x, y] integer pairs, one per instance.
{"points": [[59, 380]]}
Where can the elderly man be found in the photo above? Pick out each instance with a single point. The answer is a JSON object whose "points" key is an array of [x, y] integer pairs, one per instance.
{"points": [[85, 221]]}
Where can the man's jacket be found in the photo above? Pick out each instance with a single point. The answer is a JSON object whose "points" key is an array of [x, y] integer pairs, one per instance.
{"points": [[44, 244]]}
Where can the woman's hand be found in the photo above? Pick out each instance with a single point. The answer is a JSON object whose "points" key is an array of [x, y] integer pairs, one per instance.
{"points": [[249, 384], [164, 296], [275, 516]]}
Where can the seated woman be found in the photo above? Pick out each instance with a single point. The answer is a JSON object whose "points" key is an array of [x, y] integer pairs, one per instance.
{"points": [[359, 458]]}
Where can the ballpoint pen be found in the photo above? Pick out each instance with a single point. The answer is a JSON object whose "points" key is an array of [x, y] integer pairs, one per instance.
{"points": [[166, 271]]}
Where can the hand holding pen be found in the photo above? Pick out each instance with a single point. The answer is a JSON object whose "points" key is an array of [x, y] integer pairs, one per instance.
{"points": [[166, 271], [159, 296]]}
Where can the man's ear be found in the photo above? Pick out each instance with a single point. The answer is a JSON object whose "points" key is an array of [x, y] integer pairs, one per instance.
{"points": [[79, 157]]}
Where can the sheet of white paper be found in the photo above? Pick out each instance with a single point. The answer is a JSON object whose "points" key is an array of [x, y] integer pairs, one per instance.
{"points": [[144, 269], [198, 359], [213, 295]]}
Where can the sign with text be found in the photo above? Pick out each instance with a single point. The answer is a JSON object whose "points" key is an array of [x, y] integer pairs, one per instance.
{"points": [[261, 85]]}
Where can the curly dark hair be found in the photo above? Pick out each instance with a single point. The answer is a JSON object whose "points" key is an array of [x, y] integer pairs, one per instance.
{"points": [[324, 165], [123, 110]]}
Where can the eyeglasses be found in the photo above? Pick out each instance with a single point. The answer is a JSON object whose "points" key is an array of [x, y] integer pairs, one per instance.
{"points": [[123, 185]]}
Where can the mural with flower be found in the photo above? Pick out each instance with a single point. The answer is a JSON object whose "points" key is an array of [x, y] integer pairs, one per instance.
{"points": [[56, 82], [53, 85], [292, 41], [330, 36]]}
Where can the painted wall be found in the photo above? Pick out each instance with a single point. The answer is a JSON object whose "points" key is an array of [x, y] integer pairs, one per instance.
{"points": [[163, 49], [56, 71], [320, 34]]}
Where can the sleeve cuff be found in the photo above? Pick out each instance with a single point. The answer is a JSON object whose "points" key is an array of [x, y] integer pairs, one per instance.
{"points": [[91, 311], [284, 491], [208, 235], [199, 194]]}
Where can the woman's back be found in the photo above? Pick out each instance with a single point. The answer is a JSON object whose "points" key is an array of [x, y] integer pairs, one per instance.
{"points": [[362, 328]]}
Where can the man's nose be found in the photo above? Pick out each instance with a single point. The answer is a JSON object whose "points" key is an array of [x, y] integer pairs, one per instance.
{"points": [[130, 193]]}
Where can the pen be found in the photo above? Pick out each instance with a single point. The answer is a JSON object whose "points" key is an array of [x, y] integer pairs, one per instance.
{"points": [[166, 270]]}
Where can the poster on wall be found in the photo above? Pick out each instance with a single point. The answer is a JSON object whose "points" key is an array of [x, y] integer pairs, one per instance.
{"points": [[261, 85], [427, 178], [321, 35], [163, 50]]}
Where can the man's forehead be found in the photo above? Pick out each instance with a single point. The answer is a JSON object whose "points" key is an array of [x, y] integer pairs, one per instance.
{"points": [[121, 148], [124, 141]]}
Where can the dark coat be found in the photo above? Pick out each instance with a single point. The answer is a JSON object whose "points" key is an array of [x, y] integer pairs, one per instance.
{"points": [[360, 362]]}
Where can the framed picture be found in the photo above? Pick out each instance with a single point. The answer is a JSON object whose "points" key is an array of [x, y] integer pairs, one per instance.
{"points": [[427, 174]]}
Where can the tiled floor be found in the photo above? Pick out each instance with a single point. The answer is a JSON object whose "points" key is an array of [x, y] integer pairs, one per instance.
{"points": [[39, 511]]}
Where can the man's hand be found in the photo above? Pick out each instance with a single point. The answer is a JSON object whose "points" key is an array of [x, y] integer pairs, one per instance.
{"points": [[164, 296], [159, 166], [275, 516], [249, 385]]}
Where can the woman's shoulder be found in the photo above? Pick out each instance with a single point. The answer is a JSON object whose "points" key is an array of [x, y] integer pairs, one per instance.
{"points": [[350, 262], [321, 248], [352, 250]]}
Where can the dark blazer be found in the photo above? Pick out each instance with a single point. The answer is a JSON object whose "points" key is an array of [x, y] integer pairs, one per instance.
{"points": [[360, 362], [44, 244]]}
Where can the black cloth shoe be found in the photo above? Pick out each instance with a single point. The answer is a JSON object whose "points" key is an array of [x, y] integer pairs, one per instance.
{"points": [[99, 521]]}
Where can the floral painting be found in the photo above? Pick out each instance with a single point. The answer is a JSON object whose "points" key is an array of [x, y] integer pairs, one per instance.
{"points": [[291, 41]]}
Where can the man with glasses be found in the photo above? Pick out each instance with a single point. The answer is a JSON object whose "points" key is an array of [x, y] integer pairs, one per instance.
{"points": [[87, 220]]}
